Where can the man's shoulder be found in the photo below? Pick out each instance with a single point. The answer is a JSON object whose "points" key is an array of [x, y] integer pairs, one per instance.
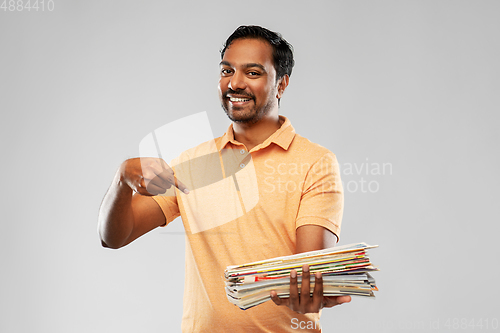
{"points": [[310, 149]]}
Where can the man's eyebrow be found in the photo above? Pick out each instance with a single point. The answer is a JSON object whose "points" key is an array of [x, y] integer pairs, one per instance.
{"points": [[249, 65]]}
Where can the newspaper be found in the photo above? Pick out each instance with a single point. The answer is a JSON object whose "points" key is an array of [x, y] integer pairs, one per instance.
{"points": [[345, 270]]}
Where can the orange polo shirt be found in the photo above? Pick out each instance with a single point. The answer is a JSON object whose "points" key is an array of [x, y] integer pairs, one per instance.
{"points": [[245, 206]]}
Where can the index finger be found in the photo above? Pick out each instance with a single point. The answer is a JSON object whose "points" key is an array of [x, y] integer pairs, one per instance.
{"points": [[180, 185], [318, 291], [167, 175]]}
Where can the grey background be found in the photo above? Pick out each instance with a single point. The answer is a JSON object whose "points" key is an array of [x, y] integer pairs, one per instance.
{"points": [[410, 83]]}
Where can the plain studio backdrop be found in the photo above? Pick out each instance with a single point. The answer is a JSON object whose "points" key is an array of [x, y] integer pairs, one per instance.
{"points": [[405, 93]]}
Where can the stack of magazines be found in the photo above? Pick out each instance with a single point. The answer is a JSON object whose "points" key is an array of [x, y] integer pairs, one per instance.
{"points": [[345, 269]]}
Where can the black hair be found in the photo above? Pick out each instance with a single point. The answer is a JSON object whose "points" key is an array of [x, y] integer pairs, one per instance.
{"points": [[282, 50]]}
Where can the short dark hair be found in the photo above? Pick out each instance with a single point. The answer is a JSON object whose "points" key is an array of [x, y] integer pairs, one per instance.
{"points": [[282, 50]]}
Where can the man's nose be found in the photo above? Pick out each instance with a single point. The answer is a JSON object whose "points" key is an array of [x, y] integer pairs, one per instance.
{"points": [[237, 81]]}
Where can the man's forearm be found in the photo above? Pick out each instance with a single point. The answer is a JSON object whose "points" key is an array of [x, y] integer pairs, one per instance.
{"points": [[116, 220]]}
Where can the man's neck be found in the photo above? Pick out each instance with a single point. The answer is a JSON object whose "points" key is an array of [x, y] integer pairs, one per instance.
{"points": [[253, 135]]}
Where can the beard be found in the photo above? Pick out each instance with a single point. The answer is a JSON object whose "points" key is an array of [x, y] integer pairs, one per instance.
{"points": [[244, 114]]}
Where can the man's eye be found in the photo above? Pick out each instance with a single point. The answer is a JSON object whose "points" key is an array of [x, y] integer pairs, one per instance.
{"points": [[225, 71], [253, 73]]}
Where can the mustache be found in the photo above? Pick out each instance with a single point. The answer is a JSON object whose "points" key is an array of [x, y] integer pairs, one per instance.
{"points": [[239, 92]]}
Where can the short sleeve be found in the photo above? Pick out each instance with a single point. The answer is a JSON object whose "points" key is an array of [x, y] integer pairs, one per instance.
{"points": [[169, 207], [322, 200]]}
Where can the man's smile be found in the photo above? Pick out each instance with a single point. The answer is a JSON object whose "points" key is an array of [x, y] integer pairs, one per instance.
{"points": [[237, 99]]}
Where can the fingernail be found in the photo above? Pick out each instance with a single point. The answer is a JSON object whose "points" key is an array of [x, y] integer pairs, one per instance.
{"points": [[186, 191], [305, 269], [318, 275], [293, 273]]}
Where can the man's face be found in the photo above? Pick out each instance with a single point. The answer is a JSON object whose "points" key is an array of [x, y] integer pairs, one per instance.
{"points": [[247, 85]]}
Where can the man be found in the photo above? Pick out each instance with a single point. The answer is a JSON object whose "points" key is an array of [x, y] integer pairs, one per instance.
{"points": [[297, 184]]}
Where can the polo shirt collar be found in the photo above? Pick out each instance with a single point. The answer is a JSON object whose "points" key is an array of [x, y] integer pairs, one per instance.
{"points": [[283, 137]]}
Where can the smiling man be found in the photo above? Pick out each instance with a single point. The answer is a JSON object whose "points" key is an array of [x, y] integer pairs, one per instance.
{"points": [[299, 208], [248, 83]]}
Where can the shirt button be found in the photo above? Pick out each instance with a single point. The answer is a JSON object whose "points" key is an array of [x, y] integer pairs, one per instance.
{"points": [[242, 165], [242, 151]]}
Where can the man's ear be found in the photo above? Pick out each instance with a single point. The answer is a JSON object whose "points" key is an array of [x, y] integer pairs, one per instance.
{"points": [[282, 84]]}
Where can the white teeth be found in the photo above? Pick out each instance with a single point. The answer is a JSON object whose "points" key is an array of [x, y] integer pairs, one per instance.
{"points": [[235, 99]]}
